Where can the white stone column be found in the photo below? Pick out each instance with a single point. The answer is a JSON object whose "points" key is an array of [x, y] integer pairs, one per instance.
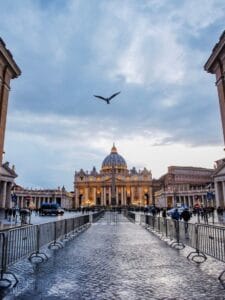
{"points": [[104, 195], [139, 195], [110, 196], [222, 201], [22, 201], [122, 195], [132, 195], [94, 195], [125, 196], [217, 192], [8, 194], [5, 204], [189, 201], [117, 195], [76, 198], [38, 202], [86, 194]]}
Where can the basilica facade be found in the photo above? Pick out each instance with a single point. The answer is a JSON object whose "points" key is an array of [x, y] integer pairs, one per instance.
{"points": [[113, 185]]}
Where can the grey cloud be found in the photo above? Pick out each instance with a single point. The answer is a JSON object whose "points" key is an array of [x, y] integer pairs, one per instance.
{"points": [[152, 51]]}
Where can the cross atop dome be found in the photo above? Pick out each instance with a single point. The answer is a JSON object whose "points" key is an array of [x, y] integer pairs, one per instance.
{"points": [[114, 150]]}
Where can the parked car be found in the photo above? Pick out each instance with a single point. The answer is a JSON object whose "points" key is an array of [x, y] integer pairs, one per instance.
{"points": [[180, 210], [51, 209]]}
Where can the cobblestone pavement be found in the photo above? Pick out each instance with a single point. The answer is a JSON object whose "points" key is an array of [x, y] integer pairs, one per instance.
{"points": [[116, 260]]}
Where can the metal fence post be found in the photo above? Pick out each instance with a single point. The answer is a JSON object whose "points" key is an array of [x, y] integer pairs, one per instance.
{"points": [[55, 243], [197, 256], [37, 253], [4, 263], [166, 224]]}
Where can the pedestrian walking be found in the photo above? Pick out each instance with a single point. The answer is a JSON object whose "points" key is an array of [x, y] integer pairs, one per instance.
{"points": [[220, 214], [9, 214], [205, 215], [175, 215], [164, 213], [153, 210], [164, 216], [6, 213], [14, 213], [186, 216]]}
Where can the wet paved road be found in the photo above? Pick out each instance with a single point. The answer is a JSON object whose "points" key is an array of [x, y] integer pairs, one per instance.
{"points": [[116, 261], [36, 219]]}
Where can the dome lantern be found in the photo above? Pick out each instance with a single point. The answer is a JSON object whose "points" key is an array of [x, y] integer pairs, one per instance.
{"points": [[113, 150]]}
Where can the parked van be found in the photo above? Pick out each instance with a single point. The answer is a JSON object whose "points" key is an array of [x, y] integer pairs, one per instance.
{"points": [[51, 209]]}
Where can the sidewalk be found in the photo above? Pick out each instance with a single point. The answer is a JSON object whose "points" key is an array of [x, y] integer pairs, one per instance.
{"points": [[121, 261]]}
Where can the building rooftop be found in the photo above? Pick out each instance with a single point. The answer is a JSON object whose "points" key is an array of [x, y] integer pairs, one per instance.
{"points": [[7, 55], [218, 48]]}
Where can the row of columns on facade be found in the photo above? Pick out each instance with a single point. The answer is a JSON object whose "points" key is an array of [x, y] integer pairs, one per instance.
{"points": [[5, 194], [191, 199], [22, 201], [220, 193], [37, 201], [105, 193]]}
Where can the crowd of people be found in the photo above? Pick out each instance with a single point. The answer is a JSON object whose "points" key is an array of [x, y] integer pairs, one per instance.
{"points": [[15, 215], [202, 214]]}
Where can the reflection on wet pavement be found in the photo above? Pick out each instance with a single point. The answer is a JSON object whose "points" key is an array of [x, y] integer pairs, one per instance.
{"points": [[115, 260]]}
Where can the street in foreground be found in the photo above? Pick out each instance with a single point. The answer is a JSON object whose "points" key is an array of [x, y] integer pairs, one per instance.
{"points": [[116, 260]]}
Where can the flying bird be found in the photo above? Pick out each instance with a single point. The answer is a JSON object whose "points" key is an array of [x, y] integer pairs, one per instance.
{"points": [[107, 99]]}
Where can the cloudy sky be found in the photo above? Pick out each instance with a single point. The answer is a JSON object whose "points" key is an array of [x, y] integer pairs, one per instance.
{"points": [[153, 51]]}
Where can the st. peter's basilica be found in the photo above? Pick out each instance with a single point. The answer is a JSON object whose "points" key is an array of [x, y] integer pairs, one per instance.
{"points": [[114, 184]]}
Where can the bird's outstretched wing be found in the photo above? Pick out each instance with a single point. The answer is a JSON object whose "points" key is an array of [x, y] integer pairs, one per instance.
{"points": [[114, 95], [100, 97]]}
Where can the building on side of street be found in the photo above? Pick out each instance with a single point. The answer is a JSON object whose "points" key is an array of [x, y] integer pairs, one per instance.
{"points": [[186, 185], [33, 198], [216, 65], [113, 185], [219, 182], [8, 70]]}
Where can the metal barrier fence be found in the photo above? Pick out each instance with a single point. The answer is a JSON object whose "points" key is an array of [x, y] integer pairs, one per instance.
{"points": [[18, 243], [2, 247], [205, 239], [96, 216], [211, 241], [130, 215]]}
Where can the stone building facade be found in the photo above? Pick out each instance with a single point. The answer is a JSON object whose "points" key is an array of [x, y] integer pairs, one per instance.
{"points": [[186, 185], [216, 65], [113, 185], [8, 70], [33, 198], [219, 182]]}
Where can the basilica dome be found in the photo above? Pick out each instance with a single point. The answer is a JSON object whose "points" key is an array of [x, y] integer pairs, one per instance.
{"points": [[114, 160]]}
